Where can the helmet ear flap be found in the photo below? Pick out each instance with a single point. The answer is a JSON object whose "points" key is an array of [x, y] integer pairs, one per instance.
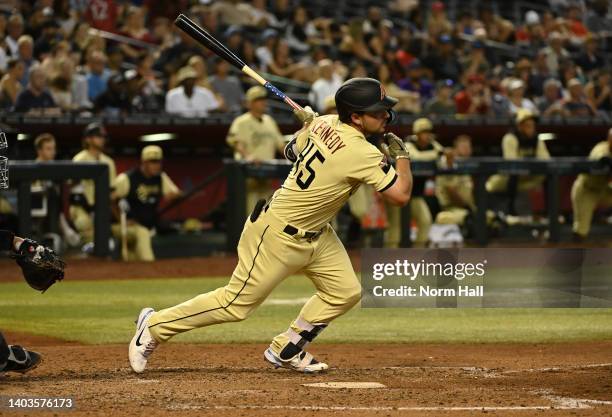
{"points": [[392, 116]]}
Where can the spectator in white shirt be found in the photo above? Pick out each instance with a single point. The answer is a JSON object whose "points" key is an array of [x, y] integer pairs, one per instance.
{"points": [[325, 86], [188, 99]]}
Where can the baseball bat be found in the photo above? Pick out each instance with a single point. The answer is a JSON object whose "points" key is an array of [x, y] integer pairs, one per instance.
{"points": [[203, 37]]}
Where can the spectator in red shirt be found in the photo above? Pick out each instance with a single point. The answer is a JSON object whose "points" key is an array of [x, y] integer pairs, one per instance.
{"points": [[475, 98], [102, 14]]}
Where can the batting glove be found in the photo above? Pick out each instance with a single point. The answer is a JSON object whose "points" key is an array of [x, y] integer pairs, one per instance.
{"points": [[394, 148], [305, 115]]}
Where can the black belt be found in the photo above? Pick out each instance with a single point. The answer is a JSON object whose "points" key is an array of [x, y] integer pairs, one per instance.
{"points": [[292, 231]]}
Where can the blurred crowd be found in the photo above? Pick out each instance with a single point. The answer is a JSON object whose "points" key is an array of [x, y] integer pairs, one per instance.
{"points": [[116, 57]]}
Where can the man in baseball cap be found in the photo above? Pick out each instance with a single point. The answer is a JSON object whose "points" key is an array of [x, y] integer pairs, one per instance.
{"points": [[363, 95], [142, 189], [82, 196]]}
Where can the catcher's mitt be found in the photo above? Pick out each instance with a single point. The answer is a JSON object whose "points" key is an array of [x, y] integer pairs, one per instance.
{"points": [[40, 265]]}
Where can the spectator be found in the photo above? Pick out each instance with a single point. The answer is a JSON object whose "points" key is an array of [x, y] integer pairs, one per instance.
{"points": [[50, 37], [497, 28], [145, 71], [590, 59], [373, 18], [437, 23], [134, 27], [36, 99], [598, 91], [417, 82], [443, 61], [97, 75], [115, 59], [80, 37], [442, 104], [300, 31], [102, 14], [283, 65], [516, 98], [577, 30], [476, 62], [189, 100], [540, 72], [326, 85], [597, 19], [407, 101], [550, 103], [115, 100], [260, 16], [465, 24], [143, 188], [475, 98], [69, 89], [555, 52], [532, 33], [264, 52], [523, 72], [576, 104], [255, 137], [14, 30], [25, 51], [162, 33], [10, 85], [384, 39], [226, 85]]}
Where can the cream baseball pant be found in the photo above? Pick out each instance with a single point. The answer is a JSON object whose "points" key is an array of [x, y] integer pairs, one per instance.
{"points": [[138, 241], [83, 222], [419, 211], [584, 202], [266, 256]]}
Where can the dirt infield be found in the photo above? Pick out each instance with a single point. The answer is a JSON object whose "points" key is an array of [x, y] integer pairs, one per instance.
{"points": [[221, 380]]}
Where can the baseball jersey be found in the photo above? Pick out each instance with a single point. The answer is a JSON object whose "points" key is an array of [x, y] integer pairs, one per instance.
{"points": [[462, 184], [260, 137], [512, 148], [597, 182], [88, 185], [335, 159], [144, 194], [429, 152]]}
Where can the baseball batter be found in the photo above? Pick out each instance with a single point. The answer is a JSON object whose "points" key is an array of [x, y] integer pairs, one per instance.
{"points": [[290, 233]]}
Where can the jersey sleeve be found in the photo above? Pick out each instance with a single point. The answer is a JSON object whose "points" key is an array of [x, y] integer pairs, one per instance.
{"points": [[368, 166], [236, 133], [168, 186], [122, 185]]}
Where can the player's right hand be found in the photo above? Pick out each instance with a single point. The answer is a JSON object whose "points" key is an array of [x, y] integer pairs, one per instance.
{"points": [[394, 147], [305, 115]]}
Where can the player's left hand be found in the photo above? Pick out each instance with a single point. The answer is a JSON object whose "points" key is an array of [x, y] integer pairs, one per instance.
{"points": [[305, 115], [40, 265], [394, 148]]}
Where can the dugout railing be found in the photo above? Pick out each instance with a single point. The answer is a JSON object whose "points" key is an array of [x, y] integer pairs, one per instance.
{"points": [[479, 168], [23, 173]]}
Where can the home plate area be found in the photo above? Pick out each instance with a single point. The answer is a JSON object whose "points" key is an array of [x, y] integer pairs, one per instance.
{"points": [[564, 379]]}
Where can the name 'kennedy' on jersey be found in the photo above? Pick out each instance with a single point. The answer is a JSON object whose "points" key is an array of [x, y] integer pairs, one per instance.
{"points": [[328, 136]]}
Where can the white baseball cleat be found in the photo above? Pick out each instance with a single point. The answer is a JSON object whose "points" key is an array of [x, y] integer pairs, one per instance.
{"points": [[142, 344], [302, 362]]}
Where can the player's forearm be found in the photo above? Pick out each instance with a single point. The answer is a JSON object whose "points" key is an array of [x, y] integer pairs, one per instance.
{"points": [[404, 176]]}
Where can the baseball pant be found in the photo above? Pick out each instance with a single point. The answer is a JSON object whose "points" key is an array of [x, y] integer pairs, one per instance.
{"points": [[419, 212], [499, 183], [138, 241], [584, 202], [266, 256], [83, 222], [452, 215]]}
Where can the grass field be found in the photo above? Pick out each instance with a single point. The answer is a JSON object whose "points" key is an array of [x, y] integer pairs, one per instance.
{"points": [[104, 311]]}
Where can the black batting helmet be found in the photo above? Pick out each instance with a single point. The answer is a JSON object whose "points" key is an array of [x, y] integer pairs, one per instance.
{"points": [[361, 95]]}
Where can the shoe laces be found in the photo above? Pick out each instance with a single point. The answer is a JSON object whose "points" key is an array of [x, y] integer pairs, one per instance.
{"points": [[149, 348]]}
